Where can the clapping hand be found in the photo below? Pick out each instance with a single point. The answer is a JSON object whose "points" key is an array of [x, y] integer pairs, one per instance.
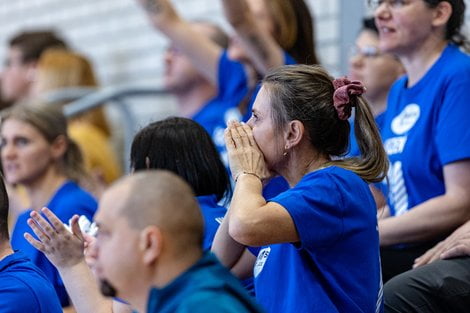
{"points": [[62, 247]]}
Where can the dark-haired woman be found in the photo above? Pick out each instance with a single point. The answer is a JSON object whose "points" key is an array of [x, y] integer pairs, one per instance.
{"points": [[183, 146], [318, 238]]}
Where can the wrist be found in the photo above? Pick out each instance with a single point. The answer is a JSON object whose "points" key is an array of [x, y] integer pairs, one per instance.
{"points": [[244, 173]]}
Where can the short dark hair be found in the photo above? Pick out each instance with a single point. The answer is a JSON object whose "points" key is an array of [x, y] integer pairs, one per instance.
{"points": [[33, 43], [4, 205], [184, 147]]}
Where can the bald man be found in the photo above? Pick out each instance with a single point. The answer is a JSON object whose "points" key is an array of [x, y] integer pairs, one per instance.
{"points": [[149, 251]]}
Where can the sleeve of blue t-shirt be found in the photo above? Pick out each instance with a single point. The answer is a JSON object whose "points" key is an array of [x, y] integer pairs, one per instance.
{"points": [[315, 210], [15, 297], [232, 79], [452, 132]]}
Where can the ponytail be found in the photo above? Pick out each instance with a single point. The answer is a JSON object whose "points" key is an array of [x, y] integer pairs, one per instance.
{"points": [[372, 165], [73, 163]]}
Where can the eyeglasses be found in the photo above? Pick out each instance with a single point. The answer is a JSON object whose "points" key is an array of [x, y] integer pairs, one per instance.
{"points": [[365, 51], [392, 4]]}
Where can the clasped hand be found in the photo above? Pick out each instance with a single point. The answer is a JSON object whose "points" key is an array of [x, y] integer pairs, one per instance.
{"points": [[243, 152]]}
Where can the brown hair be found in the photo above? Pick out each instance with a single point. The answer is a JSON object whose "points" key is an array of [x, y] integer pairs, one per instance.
{"points": [[293, 26], [305, 93], [4, 206], [33, 43], [58, 68], [454, 25], [51, 123]]}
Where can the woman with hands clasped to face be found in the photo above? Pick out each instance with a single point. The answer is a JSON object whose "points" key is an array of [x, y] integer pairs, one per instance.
{"points": [[319, 237]]}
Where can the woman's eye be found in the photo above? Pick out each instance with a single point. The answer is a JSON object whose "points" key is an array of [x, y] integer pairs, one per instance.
{"points": [[22, 141]]}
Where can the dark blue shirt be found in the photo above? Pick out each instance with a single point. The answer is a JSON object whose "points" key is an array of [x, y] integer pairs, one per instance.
{"points": [[205, 287], [24, 288], [213, 215]]}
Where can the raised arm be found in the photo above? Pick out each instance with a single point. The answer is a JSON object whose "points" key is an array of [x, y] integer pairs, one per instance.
{"points": [[201, 50], [260, 45], [436, 216], [65, 251]]}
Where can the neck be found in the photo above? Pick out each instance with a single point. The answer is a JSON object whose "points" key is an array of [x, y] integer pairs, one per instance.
{"points": [[166, 270], [41, 190], [378, 103], [191, 100], [5, 249], [420, 60], [302, 160]]}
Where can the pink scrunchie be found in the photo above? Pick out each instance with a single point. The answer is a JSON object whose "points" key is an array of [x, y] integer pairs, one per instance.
{"points": [[343, 89]]}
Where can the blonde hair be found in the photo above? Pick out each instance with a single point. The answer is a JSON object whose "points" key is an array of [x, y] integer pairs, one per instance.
{"points": [[305, 93], [51, 123], [60, 68]]}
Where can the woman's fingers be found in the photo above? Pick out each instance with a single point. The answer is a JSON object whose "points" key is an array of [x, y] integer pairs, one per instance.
{"points": [[35, 243], [249, 134], [229, 143], [56, 223], [40, 227]]}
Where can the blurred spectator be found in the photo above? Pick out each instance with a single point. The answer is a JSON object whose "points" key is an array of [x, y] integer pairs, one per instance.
{"points": [[376, 70], [425, 130], [37, 153], [24, 50], [58, 68]]}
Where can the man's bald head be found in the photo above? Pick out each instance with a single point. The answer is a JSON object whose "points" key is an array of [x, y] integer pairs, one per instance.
{"points": [[162, 199]]}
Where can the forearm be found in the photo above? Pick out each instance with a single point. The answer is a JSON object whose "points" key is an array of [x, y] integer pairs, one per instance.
{"points": [[427, 221], [245, 209], [262, 49], [200, 49], [83, 289], [224, 247], [237, 13]]}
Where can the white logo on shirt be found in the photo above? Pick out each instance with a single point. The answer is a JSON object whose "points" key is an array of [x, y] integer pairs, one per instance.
{"points": [[261, 260], [404, 121], [395, 145], [398, 193]]}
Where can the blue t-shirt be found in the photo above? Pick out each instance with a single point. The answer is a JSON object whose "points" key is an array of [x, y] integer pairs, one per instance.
{"points": [[426, 127], [205, 287], [24, 288], [68, 200], [213, 215], [215, 114], [335, 267]]}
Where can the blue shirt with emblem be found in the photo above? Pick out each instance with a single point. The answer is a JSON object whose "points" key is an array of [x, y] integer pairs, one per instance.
{"points": [[425, 128], [335, 266]]}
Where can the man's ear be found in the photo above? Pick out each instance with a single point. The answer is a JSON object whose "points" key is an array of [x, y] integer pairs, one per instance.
{"points": [[59, 146], [150, 244], [442, 14], [294, 133], [31, 69]]}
